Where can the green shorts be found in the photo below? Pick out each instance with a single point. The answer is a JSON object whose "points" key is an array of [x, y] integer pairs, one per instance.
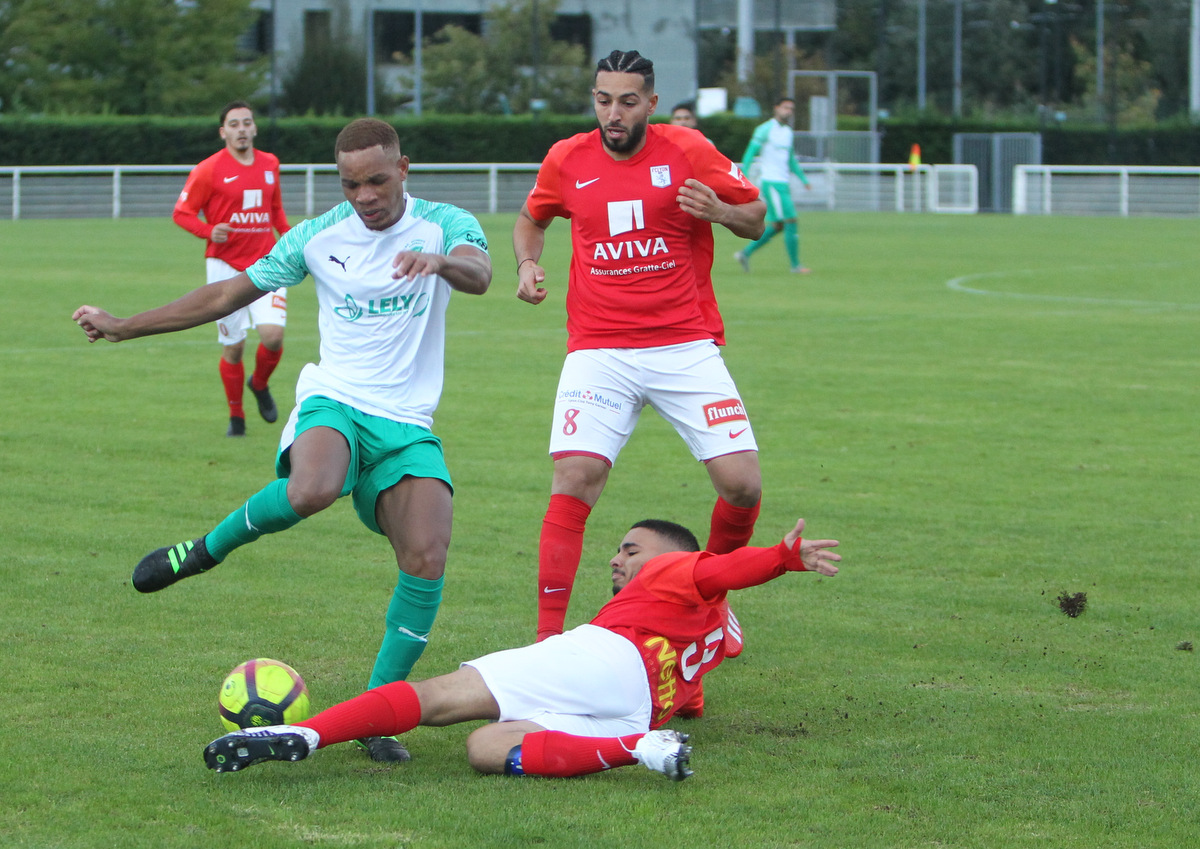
{"points": [[382, 452], [778, 198]]}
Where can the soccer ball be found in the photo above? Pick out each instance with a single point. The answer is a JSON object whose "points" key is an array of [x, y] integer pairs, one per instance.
{"points": [[263, 692]]}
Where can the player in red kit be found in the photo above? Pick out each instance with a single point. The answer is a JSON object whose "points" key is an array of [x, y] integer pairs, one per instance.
{"points": [[643, 326], [588, 700], [237, 190]]}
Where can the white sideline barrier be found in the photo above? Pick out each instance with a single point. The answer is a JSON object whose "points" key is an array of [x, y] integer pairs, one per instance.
{"points": [[1117, 190], [149, 191]]}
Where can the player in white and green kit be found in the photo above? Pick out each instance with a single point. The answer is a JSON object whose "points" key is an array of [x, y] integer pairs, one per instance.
{"points": [[384, 265], [773, 143]]}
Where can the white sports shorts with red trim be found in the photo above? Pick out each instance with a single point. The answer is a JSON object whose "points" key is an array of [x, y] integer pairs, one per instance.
{"points": [[601, 393], [590, 682], [271, 308]]}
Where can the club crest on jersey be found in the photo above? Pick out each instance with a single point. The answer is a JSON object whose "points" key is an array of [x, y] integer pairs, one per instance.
{"points": [[660, 176], [269, 176], [720, 412]]}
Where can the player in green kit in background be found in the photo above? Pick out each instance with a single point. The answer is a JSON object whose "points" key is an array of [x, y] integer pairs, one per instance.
{"points": [[384, 265], [773, 142]]}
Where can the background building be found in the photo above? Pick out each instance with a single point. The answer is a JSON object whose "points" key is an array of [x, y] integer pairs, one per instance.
{"points": [[671, 32]]}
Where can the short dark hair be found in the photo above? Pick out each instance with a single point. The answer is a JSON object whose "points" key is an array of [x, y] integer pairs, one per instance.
{"points": [[628, 62], [785, 99], [365, 133], [687, 104], [673, 533], [230, 106]]}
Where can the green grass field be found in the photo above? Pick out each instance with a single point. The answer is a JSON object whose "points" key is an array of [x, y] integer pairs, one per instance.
{"points": [[987, 411]]}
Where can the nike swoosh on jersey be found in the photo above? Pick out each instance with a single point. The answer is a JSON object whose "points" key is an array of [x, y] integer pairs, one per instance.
{"points": [[580, 185], [231, 179]]}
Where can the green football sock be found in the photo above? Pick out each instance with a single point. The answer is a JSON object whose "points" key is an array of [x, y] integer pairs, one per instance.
{"points": [[791, 240], [266, 512], [410, 618], [767, 235]]}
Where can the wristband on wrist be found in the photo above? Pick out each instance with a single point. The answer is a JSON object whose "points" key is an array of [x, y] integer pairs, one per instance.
{"points": [[522, 262]]}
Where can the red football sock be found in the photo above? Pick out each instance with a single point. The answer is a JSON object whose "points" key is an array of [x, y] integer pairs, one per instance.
{"points": [[382, 712], [561, 755], [265, 361], [731, 527], [559, 550], [233, 376]]}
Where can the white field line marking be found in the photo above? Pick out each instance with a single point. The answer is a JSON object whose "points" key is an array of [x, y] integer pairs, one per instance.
{"points": [[959, 284]]}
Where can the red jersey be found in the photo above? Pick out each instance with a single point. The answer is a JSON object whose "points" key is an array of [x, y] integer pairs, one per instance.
{"points": [[641, 267], [228, 192], [672, 612]]}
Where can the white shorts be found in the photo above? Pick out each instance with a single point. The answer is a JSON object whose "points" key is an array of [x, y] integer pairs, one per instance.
{"points": [[601, 393], [589, 682], [271, 308]]}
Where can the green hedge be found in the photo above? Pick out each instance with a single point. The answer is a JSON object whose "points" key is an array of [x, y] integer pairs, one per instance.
{"points": [[105, 140]]}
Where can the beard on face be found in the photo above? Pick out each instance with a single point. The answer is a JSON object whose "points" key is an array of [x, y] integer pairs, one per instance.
{"points": [[632, 138]]}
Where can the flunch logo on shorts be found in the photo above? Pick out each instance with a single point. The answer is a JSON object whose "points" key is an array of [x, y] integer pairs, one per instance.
{"points": [[720, 412]]}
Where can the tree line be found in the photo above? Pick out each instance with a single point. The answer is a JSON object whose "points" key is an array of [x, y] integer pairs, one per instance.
{"points": [[1020, 59]]}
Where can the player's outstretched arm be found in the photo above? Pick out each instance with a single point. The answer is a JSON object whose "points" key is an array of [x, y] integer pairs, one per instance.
{"points": [[744, 220], [529, 239], [814, 553], [199, 306]]}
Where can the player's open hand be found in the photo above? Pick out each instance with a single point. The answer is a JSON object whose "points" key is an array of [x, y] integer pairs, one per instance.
{"points": [[530, 276], [409, 264], [97, 323], [814, 553]]}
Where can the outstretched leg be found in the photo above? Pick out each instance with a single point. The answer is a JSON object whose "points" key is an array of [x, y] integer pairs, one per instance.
{"points": [[320, 458]]}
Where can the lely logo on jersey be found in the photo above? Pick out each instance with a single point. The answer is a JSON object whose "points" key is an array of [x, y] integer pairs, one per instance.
{"points": [[414, 303], [628, 216], [351, 311], [721, 412]]}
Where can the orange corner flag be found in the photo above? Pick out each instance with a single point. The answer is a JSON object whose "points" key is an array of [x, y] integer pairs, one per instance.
{"points": [[914, 157]]}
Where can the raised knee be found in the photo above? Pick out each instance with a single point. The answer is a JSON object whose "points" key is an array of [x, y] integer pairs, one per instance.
{"points": [[428, 563], [309, 499]]}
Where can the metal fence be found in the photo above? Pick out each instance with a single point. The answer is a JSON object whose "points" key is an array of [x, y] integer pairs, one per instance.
{"points": [[149, 191], [995, 155], [1106, 190]]}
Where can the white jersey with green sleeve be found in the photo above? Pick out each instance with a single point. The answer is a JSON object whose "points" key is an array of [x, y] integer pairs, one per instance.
{"points": [[382, 340], [773, 143]]}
